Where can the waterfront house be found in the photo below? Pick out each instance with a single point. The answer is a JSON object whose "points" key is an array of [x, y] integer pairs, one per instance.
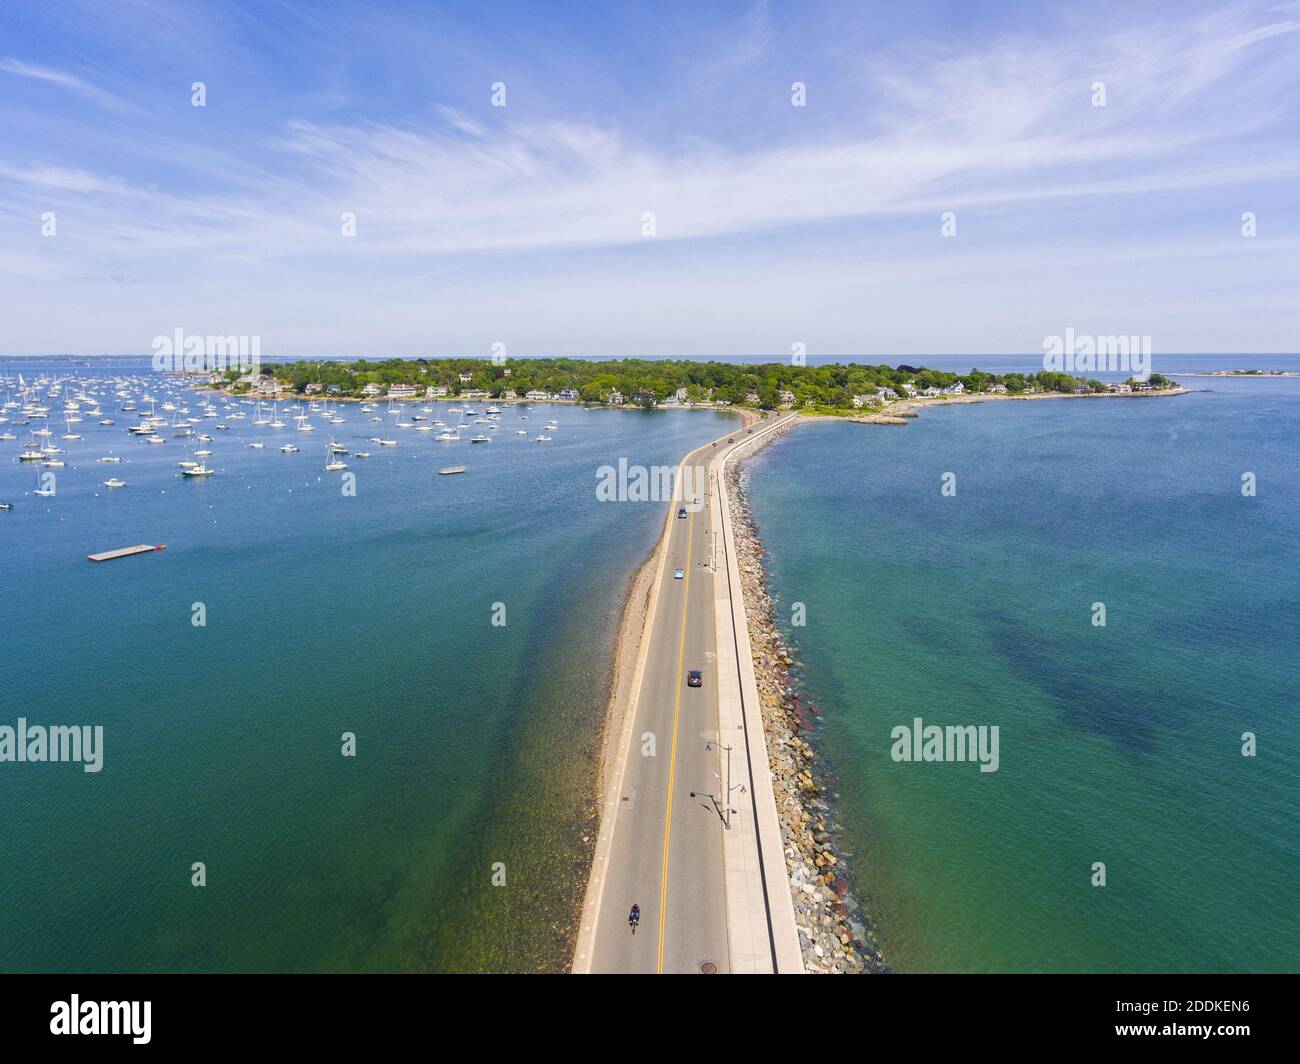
{"points": [[435, 391], [536, 395], [570, 394], [615, 398], [954, 389], [401, 391], [787, 400], [930, 391]]}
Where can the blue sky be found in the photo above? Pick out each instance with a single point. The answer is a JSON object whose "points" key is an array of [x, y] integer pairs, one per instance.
{"points": [[774, 224]]}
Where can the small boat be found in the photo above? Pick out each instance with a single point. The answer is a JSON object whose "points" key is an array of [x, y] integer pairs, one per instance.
{"points": [[361, 454], [450, 470], [6, 506], [480, 439], [289, 448], [542, 439], [387, 443], [111, 458], [257, 446], [333, 464], [199, 470], [113, 482]]}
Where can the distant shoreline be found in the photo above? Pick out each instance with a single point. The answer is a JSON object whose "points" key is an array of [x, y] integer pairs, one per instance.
{"points": [[1243, 374], [897, 413]]}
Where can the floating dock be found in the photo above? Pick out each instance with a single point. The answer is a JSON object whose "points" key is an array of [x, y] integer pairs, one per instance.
{"points": [[450, 470], [125, 552]]}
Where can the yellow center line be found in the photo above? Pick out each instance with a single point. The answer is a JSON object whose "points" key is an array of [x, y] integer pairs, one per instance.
{"points": [[677, 707]]}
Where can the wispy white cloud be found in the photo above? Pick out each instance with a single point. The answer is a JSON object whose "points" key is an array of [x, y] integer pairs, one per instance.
{"points": [[63, 80]]}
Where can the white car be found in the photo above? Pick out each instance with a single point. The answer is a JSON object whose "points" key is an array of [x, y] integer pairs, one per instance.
{"points": [[679, 574]]}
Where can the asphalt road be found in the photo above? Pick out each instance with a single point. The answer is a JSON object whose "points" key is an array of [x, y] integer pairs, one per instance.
{"points": [[666, 848]]}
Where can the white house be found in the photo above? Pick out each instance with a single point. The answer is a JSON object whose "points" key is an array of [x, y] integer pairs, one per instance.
{"points": [[401, 391], [536, 394], [435, 390], [954, 389], [465, 378], [615, 398]]}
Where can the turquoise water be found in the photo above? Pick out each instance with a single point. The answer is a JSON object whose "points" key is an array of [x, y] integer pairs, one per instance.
{"points": [[1119, 744], [325, 614]]}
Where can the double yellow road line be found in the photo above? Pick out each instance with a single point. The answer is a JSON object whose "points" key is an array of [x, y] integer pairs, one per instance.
{"points": [[677, 709]]}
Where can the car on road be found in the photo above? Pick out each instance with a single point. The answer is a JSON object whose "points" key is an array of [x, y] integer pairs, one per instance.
{"points": [[679, 574], [681, 511], [695, 678]]}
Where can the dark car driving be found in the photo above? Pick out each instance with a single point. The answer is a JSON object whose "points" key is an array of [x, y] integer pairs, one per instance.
{"points": [[695, 678]]}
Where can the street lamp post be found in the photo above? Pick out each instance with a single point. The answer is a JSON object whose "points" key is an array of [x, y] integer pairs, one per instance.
{"points": [[708, 746]]}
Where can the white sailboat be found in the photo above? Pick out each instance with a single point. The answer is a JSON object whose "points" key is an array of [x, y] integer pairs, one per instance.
{"points": [[333, 463]]}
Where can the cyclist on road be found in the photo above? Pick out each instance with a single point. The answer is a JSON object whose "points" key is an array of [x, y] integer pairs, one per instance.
{"points": [[634, 917]]}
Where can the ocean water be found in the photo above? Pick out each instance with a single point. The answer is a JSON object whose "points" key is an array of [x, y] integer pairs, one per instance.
{"points": [[1119, 744], [476, 744]]}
